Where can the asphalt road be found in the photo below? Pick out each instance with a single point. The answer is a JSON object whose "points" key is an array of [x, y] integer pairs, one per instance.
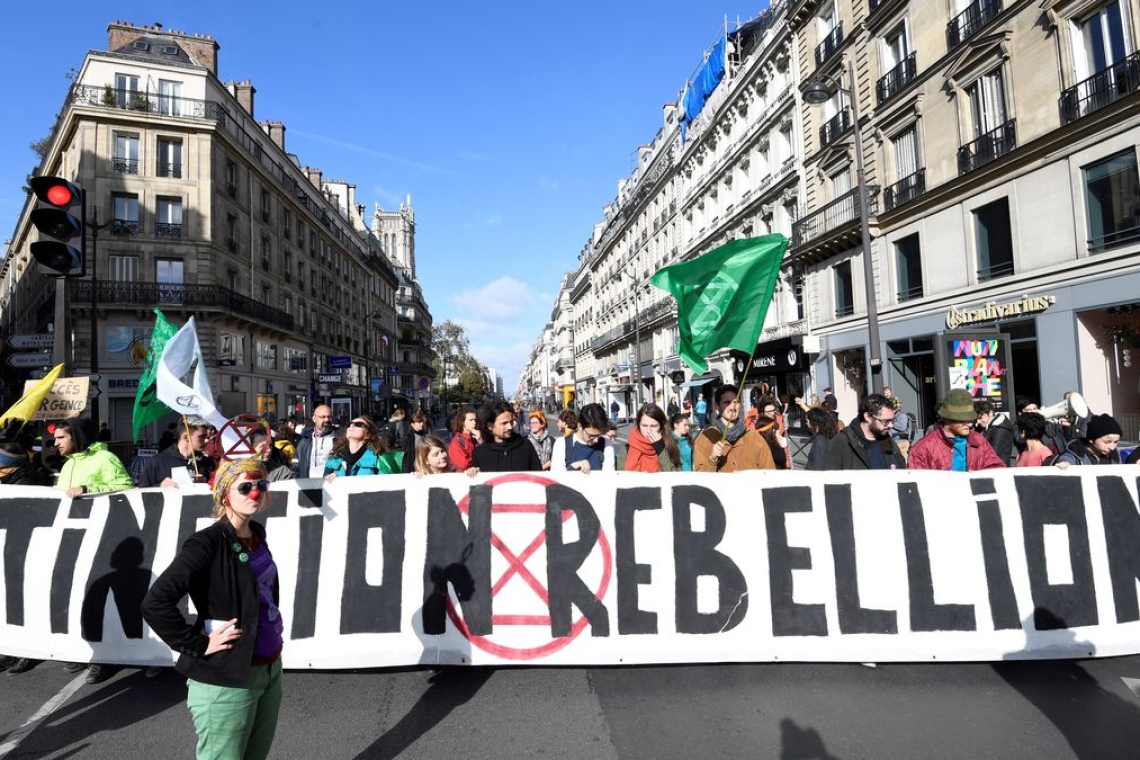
{"points": [[1044, 710]]}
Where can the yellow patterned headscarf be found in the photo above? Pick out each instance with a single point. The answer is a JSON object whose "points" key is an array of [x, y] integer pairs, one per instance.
{"points": [[229, 470]]}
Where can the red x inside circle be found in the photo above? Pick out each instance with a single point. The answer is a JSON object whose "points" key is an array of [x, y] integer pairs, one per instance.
{"points": [[544, 644]]}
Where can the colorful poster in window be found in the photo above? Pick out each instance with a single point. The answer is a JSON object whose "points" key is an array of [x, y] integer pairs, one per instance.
{"points": [[979, 363]]}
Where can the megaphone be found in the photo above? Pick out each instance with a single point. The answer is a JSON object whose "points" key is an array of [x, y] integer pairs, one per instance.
{"points": [[1073, 406]]}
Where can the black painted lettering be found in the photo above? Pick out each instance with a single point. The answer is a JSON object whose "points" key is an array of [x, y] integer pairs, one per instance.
{"points": [[1003, 600], [853, 616], [311, 533], [459, 556], [365, 608], [18, 519], [788, 617], [1122, 538], [628, 502], [1057, 501], [695, 554], [563, 561], [925, 613]]}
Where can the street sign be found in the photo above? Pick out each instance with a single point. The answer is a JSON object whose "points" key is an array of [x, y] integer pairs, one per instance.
{"points": [[330, 377], [340, 362], [27, 361], [43, 340]]}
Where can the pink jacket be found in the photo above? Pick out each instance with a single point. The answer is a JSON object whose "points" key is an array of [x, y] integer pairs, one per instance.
{"points": [[935, 452]]}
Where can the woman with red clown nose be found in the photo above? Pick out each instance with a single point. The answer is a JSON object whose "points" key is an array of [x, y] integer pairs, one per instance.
{"points": [[232, 654]]}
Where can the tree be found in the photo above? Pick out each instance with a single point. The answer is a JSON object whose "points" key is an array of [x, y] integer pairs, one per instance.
{"points": [[453, 359]]}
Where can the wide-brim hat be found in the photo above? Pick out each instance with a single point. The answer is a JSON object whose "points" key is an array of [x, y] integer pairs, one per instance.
{"points": [[958, 406]]}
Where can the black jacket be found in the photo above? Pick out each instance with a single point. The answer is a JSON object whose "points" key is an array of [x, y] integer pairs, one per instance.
{"points": [[516, 454], [1002, 436], [222, 587], [848, 451], [158, 467]]}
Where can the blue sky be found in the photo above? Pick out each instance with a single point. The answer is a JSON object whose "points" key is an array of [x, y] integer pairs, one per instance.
{"points": [[509, 123]]}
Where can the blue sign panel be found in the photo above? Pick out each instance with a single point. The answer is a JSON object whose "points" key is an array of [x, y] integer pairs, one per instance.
{"points": [[340, 362]]}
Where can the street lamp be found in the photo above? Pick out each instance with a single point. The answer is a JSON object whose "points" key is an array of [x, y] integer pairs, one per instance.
{"points": [[817, 93]]}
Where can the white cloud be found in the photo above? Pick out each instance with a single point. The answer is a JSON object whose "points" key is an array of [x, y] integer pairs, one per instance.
{"points": [[501, 299]]}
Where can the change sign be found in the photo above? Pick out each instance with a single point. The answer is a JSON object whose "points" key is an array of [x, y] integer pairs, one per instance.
{"points": [[66, 399]]}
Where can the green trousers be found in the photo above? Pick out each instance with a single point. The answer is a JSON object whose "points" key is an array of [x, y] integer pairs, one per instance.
{"points": [[236, 722]]}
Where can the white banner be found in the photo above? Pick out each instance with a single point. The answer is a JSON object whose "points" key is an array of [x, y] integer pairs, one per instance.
{"points": [[614, 568]]}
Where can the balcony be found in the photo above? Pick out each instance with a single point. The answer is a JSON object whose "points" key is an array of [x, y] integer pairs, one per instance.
{"points": [[841, 211], [970, 21], [173, 171], [835, 126], [164, 230], [897, 78], [906, 189], [133, 100], [830, 44], [1101, 89], [124, 226], [125, 165], [190, 297], [990, 146]]}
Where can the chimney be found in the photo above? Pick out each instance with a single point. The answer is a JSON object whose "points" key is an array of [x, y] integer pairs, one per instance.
{"points": [[276, 132], [315, 176], [244, 92]]}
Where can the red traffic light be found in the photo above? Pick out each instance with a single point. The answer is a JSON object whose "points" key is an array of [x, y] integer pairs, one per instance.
{"points": [[56, 191], [59, 216], [59, 195]]}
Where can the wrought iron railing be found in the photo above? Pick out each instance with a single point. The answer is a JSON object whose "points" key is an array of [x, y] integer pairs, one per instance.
{"points": [[990, 146], [1101, 89], [192, 297], [967, 23], [830, 44], [835, 126], [841, 211], [124, 226], [897, 78], [166, 230], [1118, 237], [999, 269], [169, 170], [125, 165], [844, 310], [147, 102], [910, 293], [906, 189]]}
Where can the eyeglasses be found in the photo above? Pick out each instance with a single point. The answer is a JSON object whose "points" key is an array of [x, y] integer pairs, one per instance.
{"points": [[883, 421], [770, 410], [591, 437], [246, 486], [358, 423]]}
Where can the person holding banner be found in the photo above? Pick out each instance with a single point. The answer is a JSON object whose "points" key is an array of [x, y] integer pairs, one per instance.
{"points": [[231, 655], [953, 444], [90, 465], [361, 451], [183, 463], [16, 467], [652, 447], [726, 445], [588, 448], [464, 430], [1098, 446], [501, 450], [540, 438], [866, 443], [431, 457]]}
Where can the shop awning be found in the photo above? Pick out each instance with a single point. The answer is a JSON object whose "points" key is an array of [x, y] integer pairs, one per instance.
{"points": [[701, 380]]}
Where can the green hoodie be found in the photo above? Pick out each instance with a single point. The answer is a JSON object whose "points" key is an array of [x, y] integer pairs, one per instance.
{"points": [[97, 469]]}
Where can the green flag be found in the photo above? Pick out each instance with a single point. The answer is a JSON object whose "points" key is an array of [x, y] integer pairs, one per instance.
{"points": [[147, 406], [723, 296]]}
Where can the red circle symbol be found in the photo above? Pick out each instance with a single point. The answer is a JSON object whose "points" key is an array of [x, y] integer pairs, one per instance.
{"points": [[517, 571]]}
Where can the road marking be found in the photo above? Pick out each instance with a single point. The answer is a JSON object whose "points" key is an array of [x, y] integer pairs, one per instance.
{"points": [[32, 723]]}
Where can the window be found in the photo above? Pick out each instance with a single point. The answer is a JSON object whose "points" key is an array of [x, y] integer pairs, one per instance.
{"points": [[126, 158], [169, 158], [232, 280], [126, 214], [123, 268], [266, 254], [168, 217], [231, 177], [169, 97], [844, 292], [911, 177], [231, 349], [264, 205], [898, 64], [906, 153], [127, 90], [840, 183], [908, 258], [231, 232], [1101, 41], [296, 359], [286, 223], [287, 264], [1112, 194], [896, 47], [168, 276], [987, 103], [994, 240]]}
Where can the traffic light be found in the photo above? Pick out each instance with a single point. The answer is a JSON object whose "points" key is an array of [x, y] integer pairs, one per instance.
{"points": [[60, 218]]}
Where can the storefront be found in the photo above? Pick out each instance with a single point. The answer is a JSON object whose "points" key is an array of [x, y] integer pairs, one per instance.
{"points": [[780, 368]]}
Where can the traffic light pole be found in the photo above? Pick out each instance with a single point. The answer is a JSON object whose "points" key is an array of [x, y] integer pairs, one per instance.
{"points": [[94, 303]]}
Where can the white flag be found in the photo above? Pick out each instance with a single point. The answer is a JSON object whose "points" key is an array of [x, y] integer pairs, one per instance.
{"points": [[181, 354]]}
